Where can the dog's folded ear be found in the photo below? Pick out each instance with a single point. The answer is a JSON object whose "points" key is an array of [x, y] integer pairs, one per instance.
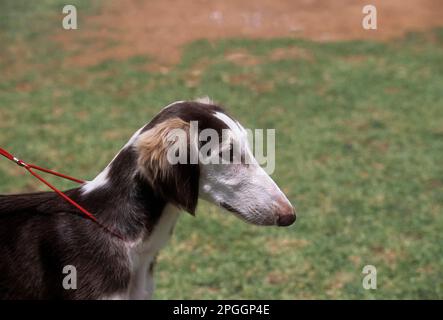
{"points": [[158, 152]]}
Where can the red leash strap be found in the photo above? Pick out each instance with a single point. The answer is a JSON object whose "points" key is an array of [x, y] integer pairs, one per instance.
{"points": [[29, 167], [21, 163]]}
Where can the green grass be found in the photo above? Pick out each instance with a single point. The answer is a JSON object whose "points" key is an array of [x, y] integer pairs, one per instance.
{"points": [[359, 150]]}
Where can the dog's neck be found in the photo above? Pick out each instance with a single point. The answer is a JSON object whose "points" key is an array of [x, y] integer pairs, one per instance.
{"points": [[122, 199]]}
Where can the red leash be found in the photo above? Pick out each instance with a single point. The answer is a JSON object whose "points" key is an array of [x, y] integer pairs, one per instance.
{"points": [[29, 167]]}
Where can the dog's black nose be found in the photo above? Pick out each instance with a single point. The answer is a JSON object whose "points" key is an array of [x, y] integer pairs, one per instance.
{"points": [[286, 215], [285, 220]]}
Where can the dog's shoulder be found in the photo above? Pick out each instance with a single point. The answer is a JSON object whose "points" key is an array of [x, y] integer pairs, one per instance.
{"points": [[41, 234]]}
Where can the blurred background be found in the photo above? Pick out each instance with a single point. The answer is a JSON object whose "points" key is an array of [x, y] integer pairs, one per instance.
{"points": [[358, 117]]}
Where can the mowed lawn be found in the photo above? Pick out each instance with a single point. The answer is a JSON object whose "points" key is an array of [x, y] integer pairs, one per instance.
{"points": [[359, 150]]}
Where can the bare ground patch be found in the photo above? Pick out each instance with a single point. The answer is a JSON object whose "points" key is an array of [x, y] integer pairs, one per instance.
{"points": [[160, 29]]}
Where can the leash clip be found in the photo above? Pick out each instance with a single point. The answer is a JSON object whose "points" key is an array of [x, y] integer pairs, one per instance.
{"points": [[18, 162]]}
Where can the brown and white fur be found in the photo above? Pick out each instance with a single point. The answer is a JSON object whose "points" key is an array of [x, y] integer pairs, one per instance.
{"points": [[139, 195]]}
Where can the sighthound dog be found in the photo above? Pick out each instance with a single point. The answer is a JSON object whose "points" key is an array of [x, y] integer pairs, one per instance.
{"points": [[139, 195]]}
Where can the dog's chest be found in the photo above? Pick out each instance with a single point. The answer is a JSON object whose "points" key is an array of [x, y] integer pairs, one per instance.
{"points": [[142, 255], [160, 233]]}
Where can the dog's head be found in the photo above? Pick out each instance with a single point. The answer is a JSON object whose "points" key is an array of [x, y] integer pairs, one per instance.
{"points": [[193, 150]]}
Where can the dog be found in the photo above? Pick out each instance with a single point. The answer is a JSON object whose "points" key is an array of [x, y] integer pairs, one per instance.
{"points": [[139, 195]]}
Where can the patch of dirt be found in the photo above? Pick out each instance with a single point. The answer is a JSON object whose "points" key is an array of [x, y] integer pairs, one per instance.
{"points": [[427, 269], [389, 256], [242, 58], [356, 260], [193, 76], [355, 59], [338, 281], [160, 28], [250, 81], [290, 53], [285, 245], [277, 277]]}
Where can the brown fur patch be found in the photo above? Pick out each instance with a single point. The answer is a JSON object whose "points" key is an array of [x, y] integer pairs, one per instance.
{"points": [[152, 147], [175, 183]]}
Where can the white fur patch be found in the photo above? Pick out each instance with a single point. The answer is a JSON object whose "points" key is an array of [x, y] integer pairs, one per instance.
{"points": [[132, 139], [171, 104], [98, 182], [143, 253], [233, 125], [239, 133], [102, 178], [204, 100]]}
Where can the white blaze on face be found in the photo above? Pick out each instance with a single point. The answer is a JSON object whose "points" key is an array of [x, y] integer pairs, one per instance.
{"points": [[244, 188]]}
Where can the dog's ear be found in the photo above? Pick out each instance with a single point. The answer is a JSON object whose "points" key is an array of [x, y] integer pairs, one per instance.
{"points": [[159, 150]]}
